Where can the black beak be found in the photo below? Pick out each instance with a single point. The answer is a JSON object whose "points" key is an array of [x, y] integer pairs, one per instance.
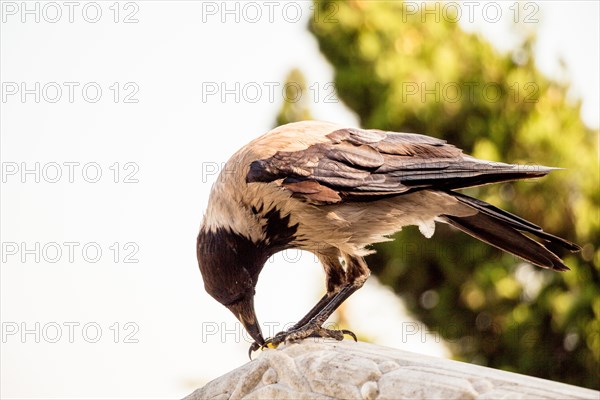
{"points": [[244, 312]]}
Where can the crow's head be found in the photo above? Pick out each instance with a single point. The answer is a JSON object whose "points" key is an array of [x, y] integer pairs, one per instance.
{"points": [[230, 264]]}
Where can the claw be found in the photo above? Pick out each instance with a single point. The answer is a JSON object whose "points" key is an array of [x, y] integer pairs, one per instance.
{"points": [[350, 333], [269, 344], [253, 347]]}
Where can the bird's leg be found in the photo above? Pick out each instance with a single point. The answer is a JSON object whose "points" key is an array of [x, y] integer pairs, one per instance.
{"points": [[336, 280], [315, 310], [357, 273]]}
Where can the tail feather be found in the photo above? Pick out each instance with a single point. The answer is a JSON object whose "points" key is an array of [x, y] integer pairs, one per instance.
{"points": [[515, 221], [504, 231]]}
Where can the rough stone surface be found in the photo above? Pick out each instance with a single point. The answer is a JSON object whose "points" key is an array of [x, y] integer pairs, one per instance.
{"points": [[348, 370]]}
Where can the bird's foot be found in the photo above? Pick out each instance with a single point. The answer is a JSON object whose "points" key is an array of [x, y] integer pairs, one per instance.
{"points": [[309, 330], [306, 331]]}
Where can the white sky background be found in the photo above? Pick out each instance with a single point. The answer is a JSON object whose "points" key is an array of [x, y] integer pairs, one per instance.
{"points": [[173, 137]]}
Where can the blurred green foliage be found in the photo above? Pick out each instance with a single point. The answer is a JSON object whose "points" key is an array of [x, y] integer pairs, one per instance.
{"points": [[398, 72], [295, 102]]}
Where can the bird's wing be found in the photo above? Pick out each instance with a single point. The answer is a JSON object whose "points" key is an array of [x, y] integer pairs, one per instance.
{"points": [[363, 165]]}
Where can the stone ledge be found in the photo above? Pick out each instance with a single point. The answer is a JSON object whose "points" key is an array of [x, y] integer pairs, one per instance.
{"points": [[348, 370]]}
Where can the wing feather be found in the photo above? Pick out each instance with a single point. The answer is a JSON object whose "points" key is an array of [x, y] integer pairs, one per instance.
{"points": [[358, 163]]}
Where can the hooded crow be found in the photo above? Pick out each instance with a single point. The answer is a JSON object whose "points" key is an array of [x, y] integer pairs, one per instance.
{"points": [[333, 191]]}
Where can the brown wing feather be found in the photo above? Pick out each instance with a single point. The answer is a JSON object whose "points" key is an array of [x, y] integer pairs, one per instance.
{"points": [[360, 164], [312, 191]]}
